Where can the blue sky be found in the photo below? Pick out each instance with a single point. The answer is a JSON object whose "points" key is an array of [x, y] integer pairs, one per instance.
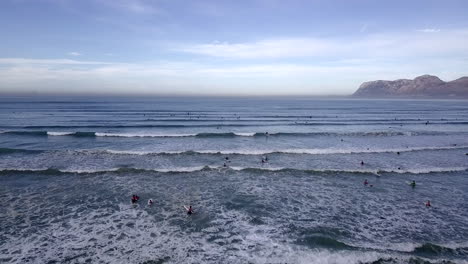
{"points": [[258, 47]]}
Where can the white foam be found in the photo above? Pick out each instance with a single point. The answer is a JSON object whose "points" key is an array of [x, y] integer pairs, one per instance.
{"points": [[259, 168], [427, 170], [244, 134], [52, 133], [98, 134]]}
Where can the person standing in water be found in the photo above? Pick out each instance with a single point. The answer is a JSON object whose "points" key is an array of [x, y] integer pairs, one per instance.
{"points": [[428, 203], [135, 198], [413, 184], [366, 182], [190, 210]]}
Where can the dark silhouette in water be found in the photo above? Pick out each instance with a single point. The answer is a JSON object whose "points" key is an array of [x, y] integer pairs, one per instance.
{"points": [[190, 210]]}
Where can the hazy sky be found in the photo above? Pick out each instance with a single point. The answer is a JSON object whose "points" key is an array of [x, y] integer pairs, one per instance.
{"points": [[265, 47]]}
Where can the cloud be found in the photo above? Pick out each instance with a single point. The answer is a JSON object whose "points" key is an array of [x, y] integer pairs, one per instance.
{"points": [[74, 53], [271, 48], [365, 46], [133, 6], [24, 61], [183, 77], [270, 66], [429, 30]]}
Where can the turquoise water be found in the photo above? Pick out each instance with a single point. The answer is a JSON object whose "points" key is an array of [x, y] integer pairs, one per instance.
{"points": [[69, 166]]}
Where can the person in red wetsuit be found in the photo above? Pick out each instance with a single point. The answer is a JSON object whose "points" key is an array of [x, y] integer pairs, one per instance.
{"points": [[135, 198]]}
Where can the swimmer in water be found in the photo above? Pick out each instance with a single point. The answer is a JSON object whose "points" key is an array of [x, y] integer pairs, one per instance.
{"points": [[362, 162], [413, 184], [150, 202], [135, 198], [428, 203], [190, 210], [366, 182]]}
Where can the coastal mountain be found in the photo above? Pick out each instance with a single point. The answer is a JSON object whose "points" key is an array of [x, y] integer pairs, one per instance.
{"points": [[422, 86]]}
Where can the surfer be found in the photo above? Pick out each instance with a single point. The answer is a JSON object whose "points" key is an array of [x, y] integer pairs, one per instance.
{"points": [[189, 210], [428, 203], [266, 158], [413, 184], [150, 202], [398, 153], [366, 182], [362, 162], [135, 198], [224, 165]]}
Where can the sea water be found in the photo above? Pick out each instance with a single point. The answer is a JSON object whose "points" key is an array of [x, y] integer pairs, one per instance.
{"points": [[69, 166]]}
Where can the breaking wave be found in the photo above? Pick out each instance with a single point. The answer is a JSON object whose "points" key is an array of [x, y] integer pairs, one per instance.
{"points": [[227, 134], [283, 151], [54, 171]]}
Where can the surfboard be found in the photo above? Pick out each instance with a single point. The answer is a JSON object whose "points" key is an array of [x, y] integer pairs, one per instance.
{"points": [[410, 183], [187, 209]]}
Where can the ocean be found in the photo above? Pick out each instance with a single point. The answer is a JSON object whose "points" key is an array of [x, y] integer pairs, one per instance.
{"points": [[70, 165]]}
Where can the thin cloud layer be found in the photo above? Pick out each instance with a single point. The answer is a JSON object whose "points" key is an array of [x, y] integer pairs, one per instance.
{"points": [[385, 45]]}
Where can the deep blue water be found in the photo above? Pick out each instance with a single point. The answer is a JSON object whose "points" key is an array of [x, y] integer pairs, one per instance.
{"points": [[68, 168]]}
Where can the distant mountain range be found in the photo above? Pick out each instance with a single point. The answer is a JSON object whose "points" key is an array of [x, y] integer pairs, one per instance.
{"points": [[422, 86]]}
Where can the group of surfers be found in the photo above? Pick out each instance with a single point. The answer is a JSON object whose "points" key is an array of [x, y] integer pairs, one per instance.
{"points": [[412, 184], [136, 198]]}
